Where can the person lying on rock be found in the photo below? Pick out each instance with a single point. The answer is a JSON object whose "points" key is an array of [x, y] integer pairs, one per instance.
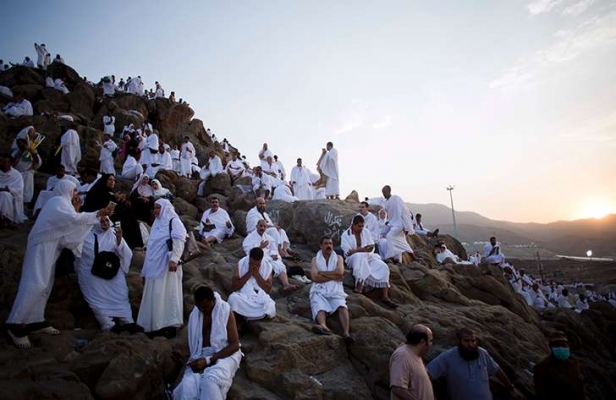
{"points": [[215, 224], [445, 256], [214, 346], [258, 238], [467, 369], [327, 293], [252, 282], [368, 269], [420, 230]]}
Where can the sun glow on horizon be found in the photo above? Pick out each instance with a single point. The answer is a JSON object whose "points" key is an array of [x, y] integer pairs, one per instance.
{"points": [[596, 210]]}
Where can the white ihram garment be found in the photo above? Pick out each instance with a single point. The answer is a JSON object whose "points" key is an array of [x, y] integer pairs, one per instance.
{"points": [[251, 300], [106, 157], [400, 220], [300, 176], [329, 166], [71, 151], [107, 298], [187, 154], [215, 381], [328, 296], [270, 252], [12, 202], [219, 218], [368, 268]]}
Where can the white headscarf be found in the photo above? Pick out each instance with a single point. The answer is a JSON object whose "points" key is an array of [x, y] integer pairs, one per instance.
{"points": [[161, 191], [143, 189], [58, 220], [167, 213]]}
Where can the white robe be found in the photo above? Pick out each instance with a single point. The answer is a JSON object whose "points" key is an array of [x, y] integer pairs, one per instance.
{"points": [[329, 166], [496, 258], [328, 296], [264, 182], [187, 154], [165, 161], [368, 268], [372, 224], [24, 107], [443, 255], [12, 202], [59, 85], [109, 87], [271, 169], [400, 220], [41, 52], [131, 169], [109, 124], [52, 181], [106, 157], [58, 226], [300, 179], [251, 301], [215, 381], [26, 165], [283, 193], [175, 160], [162, 302], [71, 151], [282, 173], [270, 252], [253, 217], [147, 157], [235, 167], [219, 219], [107, 298]]}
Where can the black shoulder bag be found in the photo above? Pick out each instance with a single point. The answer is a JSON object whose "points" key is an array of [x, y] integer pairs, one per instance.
{"points": [[106, 263]]}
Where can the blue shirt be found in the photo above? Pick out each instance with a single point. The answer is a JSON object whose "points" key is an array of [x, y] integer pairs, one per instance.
{"points": [[466, 380]]}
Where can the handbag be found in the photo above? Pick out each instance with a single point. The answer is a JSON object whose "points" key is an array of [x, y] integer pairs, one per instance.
{"points": [[191, 249], [106, 263]]}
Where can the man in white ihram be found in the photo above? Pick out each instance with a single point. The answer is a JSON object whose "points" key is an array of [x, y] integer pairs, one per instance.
{"points": [[258, 238], [214, 346], [106, 155], [492, 252], [367, 267], [213, 166], [11, 193], [252, 282], [329, 167], [371, 223], [401, 225], [300, 181], [215, 224], [257, 213]]}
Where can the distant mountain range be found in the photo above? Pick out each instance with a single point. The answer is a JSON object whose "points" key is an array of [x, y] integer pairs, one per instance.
{"points": [[563, 237]]}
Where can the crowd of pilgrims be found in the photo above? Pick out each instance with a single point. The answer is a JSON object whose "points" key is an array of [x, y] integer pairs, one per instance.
{"points": [[88, 224]]}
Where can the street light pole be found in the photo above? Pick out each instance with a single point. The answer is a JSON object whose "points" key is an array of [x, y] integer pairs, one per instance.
{"points": [[453, 213]]}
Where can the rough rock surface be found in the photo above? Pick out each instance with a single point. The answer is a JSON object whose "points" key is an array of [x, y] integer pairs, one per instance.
{"points": [[283, 359]]}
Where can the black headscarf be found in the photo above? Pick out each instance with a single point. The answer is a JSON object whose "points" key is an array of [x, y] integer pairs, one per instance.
{"points": [[98, 196]]}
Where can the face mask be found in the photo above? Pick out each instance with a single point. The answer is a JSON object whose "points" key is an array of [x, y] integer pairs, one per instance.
{"points": [[561, 353]]}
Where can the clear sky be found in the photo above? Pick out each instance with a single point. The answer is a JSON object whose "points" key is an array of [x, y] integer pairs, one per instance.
{"points": [[511, 101]]}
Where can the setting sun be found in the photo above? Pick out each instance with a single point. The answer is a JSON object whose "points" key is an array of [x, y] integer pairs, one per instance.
{"points": [[596, 210]]}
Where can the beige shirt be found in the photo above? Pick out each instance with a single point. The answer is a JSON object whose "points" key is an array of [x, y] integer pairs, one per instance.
{"points": [[407, 371]]}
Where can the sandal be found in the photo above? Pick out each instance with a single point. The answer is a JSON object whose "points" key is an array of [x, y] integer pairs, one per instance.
{"points": [[22, 342], [319, 330]]}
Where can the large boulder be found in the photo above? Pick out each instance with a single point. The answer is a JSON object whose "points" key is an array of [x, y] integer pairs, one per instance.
{"points": [[20, 75]]}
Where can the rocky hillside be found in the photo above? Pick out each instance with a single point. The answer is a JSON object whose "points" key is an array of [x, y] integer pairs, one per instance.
{"points": [[283, 359]]}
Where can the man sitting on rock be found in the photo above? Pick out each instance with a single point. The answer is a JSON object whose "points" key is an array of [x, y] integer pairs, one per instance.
{"points": [[371, 223], [538, 299], [235, 168], [257, 213], [401, 223], [492, 252], [20, 106], [563, 299], [252, 282], [367, 267], [215, 224], [11, 193], [270, 168], [261, 183], [47, 194], [212, 167], [420, 230], [259, 238], [327, 293], [214, 346]]}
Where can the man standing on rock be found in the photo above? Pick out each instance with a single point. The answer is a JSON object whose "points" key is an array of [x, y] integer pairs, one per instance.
{"points": [[327, 293], [329, 167], [71, 150], [401, 225], [187, 154], [558, 376], [467, 369], [214, 346], [300, 181], [408, 378]]}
